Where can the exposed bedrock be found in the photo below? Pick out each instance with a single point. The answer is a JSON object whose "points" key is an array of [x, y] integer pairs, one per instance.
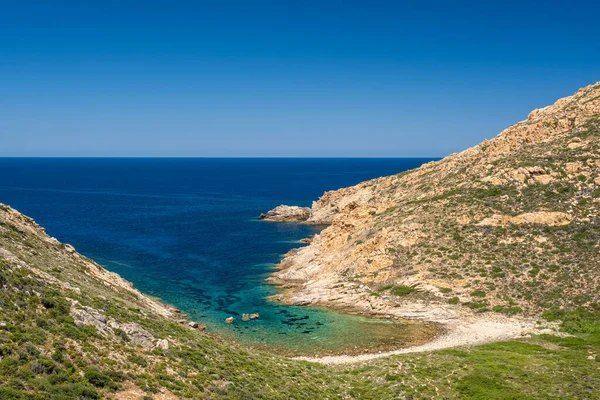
{"points": [[285, 213]]}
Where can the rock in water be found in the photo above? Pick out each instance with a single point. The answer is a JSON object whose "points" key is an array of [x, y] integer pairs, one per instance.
{"points": [[285, 213], [248, 317], [230, 320]]}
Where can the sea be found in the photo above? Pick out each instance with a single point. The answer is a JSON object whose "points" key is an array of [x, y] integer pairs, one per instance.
{"points": [[186, 230]]}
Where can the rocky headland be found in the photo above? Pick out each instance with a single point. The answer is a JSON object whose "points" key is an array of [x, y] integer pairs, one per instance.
{"points": [[285, 213], [498, 233]]}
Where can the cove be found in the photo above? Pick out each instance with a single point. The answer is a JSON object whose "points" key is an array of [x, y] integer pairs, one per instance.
{"points": [[186, 231]]}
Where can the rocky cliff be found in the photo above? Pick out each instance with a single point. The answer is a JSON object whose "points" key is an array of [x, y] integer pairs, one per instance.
{"points": [[509, 226]]}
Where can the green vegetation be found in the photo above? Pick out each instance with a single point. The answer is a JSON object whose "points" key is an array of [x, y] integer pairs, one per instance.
{"points": [[402, 290]]}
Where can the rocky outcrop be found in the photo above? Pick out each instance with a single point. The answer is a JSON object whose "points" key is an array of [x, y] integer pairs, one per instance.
{"points": [[196, 325], [108, 326], [285, 213], [486, 221], [539, 217]]}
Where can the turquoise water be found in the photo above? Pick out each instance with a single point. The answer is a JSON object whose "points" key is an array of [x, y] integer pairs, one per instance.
{"points": [[185, 230]]}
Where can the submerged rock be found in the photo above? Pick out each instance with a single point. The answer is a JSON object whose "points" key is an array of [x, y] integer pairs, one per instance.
{"points": [[285, 213], [248, 317]]}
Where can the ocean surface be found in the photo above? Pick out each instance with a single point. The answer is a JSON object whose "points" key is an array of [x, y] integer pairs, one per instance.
{"points": [[186, 231]]}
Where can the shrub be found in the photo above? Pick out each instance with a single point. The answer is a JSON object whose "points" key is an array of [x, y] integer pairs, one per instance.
{"points": [[52, 300], [121, 333], [575, 321], [101, 380], [402, 290], [512, 310], [74, 391], [139, 360]]}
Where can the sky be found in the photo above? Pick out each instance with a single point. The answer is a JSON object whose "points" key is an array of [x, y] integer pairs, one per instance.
{"points": [[324, 78]]}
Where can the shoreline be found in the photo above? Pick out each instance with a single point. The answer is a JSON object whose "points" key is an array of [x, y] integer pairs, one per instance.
{"points": [[452, 330], [457, 326], [457, 334]]}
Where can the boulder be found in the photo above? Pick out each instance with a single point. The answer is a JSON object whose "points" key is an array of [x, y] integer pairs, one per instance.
{"points": [[137, 335], [230, 320]]}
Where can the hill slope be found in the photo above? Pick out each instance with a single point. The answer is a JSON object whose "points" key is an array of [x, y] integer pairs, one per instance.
{"points": [[510, 225]]}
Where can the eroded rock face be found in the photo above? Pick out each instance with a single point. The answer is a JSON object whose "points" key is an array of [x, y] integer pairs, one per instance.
{"points": [[138, 336], [108, 326], [285, 213], [470, 215], [89, 316], [540, 217]]}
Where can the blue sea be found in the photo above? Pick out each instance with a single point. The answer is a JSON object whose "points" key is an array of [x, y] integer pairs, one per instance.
{"points": [[186, 231]]}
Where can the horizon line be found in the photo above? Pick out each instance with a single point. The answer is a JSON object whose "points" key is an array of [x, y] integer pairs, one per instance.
{"points": [[224, 157]]}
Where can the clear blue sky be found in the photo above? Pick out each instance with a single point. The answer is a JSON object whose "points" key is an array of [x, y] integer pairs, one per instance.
{"points": [[282, 78]]}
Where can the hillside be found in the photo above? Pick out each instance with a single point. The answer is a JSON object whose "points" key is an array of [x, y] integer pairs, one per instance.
{"points": [[509, 226], [510, 223]]}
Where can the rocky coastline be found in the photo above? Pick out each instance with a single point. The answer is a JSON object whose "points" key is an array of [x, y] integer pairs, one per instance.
{"points": [[458, 241]]}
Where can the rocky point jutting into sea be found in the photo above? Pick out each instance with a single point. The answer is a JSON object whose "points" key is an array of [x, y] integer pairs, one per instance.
{"points": [[509, 226]]}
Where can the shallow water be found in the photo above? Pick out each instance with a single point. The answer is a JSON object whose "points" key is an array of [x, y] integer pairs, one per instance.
{"points": [[185, 230]]}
